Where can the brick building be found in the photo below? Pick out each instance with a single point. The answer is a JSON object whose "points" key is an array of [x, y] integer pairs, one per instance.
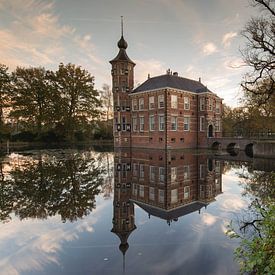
{"points": [[167, 184], [166, 111]]}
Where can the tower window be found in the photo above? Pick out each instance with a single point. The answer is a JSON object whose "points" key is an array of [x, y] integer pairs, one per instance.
{"points": [[151, 102], [161, 123], [186, 123], [152, 122], [174, 124], [141, 123]]}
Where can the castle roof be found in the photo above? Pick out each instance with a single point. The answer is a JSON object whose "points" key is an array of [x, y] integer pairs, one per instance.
{"points": [[172, 81]]}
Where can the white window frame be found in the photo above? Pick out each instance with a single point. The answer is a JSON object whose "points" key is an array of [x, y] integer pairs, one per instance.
{"points": [[175, 122], [141, 103], [141, 171], [186, 192], [151, 193], [173, 174], [160, 101], [186, 103], [135, 104], [141, 125], [161, 196], [174, 195], [202, 103], [202, 124], [152, 119], [218, 125], [151, 102], [152, 173], [141, 191], [186, 172], [135, 124], [188, 118], [174, 101], [161, 128], [161, 174]]}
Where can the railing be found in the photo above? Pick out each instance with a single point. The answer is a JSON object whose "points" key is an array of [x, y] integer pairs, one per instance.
{"points": [[258, 136]]}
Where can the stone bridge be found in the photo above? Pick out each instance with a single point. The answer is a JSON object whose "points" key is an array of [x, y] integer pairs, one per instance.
{"points": [[252, 147]]}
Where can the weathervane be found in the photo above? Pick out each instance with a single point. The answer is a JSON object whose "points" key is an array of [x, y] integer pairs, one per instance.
{"points": [[121, 25]]}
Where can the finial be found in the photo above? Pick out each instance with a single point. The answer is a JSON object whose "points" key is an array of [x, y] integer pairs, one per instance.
{"points": [[121, 25]]}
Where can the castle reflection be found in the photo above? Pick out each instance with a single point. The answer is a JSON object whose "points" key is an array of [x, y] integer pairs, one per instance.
{"points": [[166, 184]]}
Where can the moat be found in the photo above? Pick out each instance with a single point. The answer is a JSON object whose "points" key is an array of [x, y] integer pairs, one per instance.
{"points": [[130, 211]]}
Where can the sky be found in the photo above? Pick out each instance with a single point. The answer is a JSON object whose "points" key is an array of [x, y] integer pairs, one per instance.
{"points": [[196, 38]]}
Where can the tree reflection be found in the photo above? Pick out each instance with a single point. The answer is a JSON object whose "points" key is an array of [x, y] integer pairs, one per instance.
{"points": [[51, 186]]}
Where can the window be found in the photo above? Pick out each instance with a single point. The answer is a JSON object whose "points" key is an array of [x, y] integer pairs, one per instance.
{"points": [[202, 104], [210, 102], [173, 174], [174, 123], [141, 103], [161, 196], [141, 191], [135, 170], [174, 195], [202, 123], [218, 107], [202, 171], [151, 102], [161, 123], [186, 123], [134, 191], [152, 173], [186, 103], [141, 171], [161, 101], [152, 122], [141, 123], [186, 172], [123, 123], [174, 101], [152, 193], [186, 192], [161, 174], [134, 105], [218, 125], [135, 126]]}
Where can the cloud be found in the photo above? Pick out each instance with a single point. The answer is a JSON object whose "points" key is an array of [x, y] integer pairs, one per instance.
{"points": [[208, 219], [34, 36], [149, 66], [227, 39], [209, 48]]}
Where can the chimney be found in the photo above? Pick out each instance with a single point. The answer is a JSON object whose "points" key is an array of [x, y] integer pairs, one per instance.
{"points": [[199, 79], [175, 74], [148, 76]]}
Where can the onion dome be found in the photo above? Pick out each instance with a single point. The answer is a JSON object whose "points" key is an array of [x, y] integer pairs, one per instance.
{"points": [[122, 44]]}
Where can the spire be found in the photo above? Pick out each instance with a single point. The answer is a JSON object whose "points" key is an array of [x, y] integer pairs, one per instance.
{"points": [[122, 44], [121, 25]]}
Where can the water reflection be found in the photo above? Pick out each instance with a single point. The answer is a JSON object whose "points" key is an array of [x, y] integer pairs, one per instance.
{"points": [[166, 184], [46, 185]]}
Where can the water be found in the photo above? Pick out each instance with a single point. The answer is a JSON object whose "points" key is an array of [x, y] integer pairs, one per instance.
{"points": [[123, 212]]}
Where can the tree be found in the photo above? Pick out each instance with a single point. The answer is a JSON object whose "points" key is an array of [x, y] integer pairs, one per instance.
{"points": [[78, 101], [32, 100], [4, 94], [259, 52], [106, 97]]}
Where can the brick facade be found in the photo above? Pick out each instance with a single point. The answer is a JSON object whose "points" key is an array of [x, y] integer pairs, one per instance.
{"points": [[166, 117]]}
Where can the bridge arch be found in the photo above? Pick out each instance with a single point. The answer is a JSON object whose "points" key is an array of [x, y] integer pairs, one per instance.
{"points": [[233, 149]]}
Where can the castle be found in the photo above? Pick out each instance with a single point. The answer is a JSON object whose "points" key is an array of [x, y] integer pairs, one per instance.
{"points": [[165, 112]]}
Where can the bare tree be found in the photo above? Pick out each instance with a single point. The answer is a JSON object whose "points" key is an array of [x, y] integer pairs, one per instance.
{"points": [[107, 101], [259, 51]]}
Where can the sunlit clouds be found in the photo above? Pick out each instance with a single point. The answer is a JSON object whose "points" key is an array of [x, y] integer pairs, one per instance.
{"points": [[227, 38], [209, 48]]}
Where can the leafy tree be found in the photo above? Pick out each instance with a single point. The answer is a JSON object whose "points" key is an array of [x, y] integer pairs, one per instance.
{"points": [[5, 81], [106, 97], [32, 98], [52, 185], [78, 102], [259, 52]]}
